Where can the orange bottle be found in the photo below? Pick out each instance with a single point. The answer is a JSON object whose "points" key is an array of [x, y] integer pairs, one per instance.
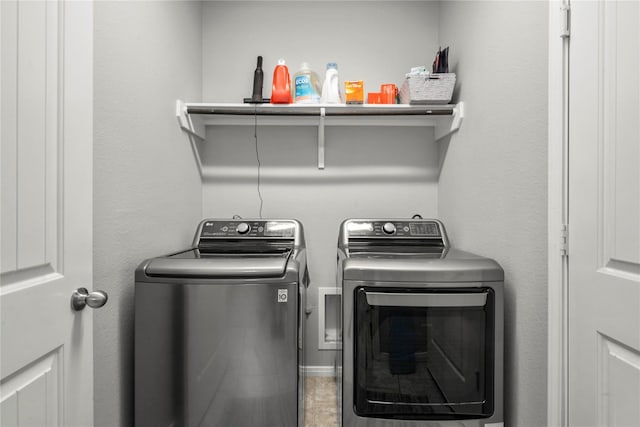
{"points": [[281, 88]]}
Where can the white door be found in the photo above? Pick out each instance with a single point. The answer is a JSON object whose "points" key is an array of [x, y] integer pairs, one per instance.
{"points": [[47, 102], [604, 214]]}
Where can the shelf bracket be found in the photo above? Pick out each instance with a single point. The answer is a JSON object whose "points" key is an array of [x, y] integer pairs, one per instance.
{"points": [[192, 124], [194, 127], [446, 129], [321, 138]]}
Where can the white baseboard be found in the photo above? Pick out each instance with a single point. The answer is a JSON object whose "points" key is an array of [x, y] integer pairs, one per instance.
{"points": [[318, 371]]}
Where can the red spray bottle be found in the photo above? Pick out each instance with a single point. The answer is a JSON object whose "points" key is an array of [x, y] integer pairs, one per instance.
{"points": [[281, 89]]}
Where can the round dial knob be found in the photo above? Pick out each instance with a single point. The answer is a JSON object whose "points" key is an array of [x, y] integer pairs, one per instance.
{"points": [[389, 228], [243, 228]]}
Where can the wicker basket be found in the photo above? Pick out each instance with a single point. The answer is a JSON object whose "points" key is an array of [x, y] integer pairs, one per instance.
{"points": [[429, 89]]}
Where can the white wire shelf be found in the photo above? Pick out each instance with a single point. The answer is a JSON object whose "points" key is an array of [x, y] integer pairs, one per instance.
{"points": [[194, 117]]}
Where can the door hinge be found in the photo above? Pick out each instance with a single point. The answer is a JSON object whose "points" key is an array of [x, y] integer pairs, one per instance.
{"points": [[564, 240], [565, 21]]}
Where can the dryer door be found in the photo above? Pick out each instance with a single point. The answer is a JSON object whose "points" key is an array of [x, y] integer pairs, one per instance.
{"points": [[424, 353]]}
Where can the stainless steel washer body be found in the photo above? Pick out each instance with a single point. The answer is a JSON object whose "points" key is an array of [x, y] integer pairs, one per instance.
{"points": [[422, 328], [219, 328]]}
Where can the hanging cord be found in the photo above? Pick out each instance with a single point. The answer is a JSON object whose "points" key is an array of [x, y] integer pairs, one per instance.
{"points": [[255, 135]]}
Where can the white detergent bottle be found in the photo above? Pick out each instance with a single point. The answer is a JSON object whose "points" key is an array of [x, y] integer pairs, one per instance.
{"points": [[331, 93], [306, 86]]}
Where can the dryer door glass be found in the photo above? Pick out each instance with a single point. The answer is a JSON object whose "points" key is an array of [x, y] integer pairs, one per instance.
{"points": [[424, 354]]}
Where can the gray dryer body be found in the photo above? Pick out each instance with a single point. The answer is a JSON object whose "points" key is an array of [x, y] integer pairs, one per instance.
{"points": [[422, 328]]}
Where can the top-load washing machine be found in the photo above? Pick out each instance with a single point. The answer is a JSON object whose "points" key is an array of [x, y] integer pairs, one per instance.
{"points": [[422, 328], [219, 328]]}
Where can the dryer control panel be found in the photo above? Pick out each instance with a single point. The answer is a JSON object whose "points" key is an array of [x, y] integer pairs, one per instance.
{"points": [[392, 232], [397, 228]]}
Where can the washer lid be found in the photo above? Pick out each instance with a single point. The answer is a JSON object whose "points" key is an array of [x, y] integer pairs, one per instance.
{"points": [[455, 266], [193, 264]]}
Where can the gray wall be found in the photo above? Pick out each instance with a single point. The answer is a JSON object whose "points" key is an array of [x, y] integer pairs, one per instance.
{"points": [[493, 185], [147, 190], [375, 41], [370, 171]]}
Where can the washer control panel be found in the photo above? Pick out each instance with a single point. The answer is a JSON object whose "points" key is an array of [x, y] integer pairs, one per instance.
{"points": [[394, 228], [248, 229]]}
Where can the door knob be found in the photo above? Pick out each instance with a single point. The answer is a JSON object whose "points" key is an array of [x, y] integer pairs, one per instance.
{"points": [[81, 298]]}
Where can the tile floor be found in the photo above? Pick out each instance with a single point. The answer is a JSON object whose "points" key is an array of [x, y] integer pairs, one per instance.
{"points": [[320, 402]]}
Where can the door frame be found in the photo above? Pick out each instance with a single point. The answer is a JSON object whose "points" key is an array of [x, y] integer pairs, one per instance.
{"points": [[557, 214]]}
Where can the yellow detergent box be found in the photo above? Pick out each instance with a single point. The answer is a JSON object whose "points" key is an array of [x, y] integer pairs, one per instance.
{"points": [[354, 91]]}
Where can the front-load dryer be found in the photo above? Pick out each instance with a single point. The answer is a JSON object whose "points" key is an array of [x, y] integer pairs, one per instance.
{"points": [[219, 328], [422, 328]]}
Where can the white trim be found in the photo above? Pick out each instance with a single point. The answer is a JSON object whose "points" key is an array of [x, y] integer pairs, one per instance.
{"points": [[557, 217], [324, 343], [318, 371]]}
